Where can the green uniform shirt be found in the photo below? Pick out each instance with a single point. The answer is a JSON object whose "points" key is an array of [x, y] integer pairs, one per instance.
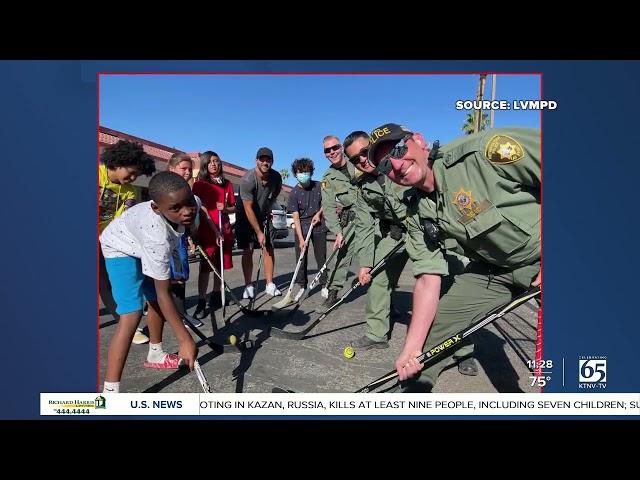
{"points": [[376, 202], [337, 192], [486, 203]]}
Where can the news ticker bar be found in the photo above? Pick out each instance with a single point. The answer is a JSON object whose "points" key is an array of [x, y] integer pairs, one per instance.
{"points": [[353, 404]]}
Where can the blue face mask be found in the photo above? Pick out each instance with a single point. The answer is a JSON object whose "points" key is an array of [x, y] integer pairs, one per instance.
{"points": [[304, 178]]}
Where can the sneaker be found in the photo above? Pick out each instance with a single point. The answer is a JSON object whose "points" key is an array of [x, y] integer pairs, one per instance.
{"points": [[248, 292], [273, 290], [299, 294], [468, 366], [196, 324], [365, 343], [200, 309], [324, 293], [169, 361], [215, 300], [332, 298], [139, 338]]}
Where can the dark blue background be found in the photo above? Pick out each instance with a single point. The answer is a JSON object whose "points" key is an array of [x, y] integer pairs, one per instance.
{"points": [[48, 293]]}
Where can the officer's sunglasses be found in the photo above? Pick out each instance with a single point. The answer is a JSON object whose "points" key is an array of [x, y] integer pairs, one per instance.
{"points": [[362, 153], [398, 151], [332, 148]]}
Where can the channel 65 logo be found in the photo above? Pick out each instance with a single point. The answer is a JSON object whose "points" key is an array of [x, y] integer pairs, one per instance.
{"points": [[592, 371]]}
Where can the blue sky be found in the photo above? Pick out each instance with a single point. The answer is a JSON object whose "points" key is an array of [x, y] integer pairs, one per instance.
{"points": [[234, 115]]}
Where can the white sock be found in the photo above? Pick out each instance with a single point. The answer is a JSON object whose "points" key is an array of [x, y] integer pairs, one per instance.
{"points": [[111, 387], [156, 354]]}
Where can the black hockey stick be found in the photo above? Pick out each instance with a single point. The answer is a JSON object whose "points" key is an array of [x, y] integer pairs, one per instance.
{"points": [[234, 299], [281, 390], [448, 344], [453, 341], [216, 347], [299, 335], [252, 300]]}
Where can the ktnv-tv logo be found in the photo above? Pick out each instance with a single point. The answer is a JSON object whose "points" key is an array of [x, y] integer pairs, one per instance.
{"points": [[156, 404], [592, 372]]}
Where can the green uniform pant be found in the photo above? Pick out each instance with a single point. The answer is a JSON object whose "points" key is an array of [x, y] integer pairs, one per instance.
{"points": [[473, 294], [338, 277], [378, 310]]}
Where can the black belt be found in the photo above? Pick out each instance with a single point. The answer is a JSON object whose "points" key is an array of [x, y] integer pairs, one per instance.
{"points": [[394, 230]]}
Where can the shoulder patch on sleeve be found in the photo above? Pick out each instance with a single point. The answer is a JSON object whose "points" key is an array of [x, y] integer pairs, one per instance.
{"points": [[503, 149]]}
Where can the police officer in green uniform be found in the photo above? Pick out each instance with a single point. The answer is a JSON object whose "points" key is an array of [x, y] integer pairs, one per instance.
{"points": [[339, 191], [478, 196], [379, 226]]}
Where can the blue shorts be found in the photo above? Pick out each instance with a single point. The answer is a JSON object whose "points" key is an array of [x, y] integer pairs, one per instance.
{"points": [[130, 288]]}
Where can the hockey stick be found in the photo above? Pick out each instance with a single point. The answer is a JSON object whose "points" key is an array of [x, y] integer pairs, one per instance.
{"points": [[201, 378], [252, 300], [286, 301], [265, 226], [449, 343], [316, 279], [454, 340], [234, 299], [374, 271], [191, 323], [222, 292]]}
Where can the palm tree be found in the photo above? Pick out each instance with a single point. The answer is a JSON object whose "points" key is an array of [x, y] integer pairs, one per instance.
{"points": [[284, 173], [469, 124]]}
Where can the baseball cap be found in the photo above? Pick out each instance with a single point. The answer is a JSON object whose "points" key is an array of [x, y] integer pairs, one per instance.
{"points": [[264, 152], [385, 133]]}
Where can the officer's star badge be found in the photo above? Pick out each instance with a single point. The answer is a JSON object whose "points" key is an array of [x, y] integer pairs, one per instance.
{"points": [[462, 199], [507, 150]]}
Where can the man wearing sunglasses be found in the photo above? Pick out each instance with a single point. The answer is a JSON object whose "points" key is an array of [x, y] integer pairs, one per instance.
{"points": [[339, 191], [381, 213], [379, 226], [478, 196]]}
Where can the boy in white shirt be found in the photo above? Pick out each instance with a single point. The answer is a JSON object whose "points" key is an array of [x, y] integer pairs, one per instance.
{"points": [[137, 247]]}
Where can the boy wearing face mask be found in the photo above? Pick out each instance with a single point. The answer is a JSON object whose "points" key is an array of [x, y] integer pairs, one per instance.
{"points": [[305, 203]]}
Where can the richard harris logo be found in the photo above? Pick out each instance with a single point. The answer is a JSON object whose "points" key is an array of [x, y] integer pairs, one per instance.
{"points": [[71, 407], [592, 372]]}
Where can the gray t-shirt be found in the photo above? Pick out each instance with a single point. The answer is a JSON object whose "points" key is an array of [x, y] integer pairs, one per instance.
{"points": [[307, 202], [261, 195]]}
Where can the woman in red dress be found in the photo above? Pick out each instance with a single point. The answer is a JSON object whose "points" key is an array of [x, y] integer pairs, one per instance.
{"points": [[216, 194]]}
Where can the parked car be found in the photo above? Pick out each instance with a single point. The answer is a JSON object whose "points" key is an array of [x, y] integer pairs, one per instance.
{"points": [[290, 221], [279, 221]]}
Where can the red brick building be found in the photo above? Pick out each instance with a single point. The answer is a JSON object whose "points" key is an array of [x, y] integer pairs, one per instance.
{"points": [[161, 154]]}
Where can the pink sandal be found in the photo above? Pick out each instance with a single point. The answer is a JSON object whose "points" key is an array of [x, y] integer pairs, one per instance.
{"points": [[170, 360]]}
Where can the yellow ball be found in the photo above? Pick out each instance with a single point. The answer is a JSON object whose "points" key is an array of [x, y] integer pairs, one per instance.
{"points": [[348, 352], [232, 339]]}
